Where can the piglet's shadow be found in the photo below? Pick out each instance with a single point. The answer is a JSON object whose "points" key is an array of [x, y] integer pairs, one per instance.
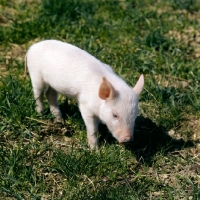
{"points": [[149, 139]]}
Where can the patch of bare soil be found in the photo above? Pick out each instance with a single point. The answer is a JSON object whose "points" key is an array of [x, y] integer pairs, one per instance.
{"points": [[194, 124], [16, 51], [12, 53], [55, 133], [176, 82], [7, 14], [190, 37]]}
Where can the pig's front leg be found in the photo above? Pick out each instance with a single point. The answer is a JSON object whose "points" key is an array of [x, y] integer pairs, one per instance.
{"points": [[91, 123]]}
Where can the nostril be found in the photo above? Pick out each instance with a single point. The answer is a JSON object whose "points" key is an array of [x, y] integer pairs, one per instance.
{"points": [[126, 140]]}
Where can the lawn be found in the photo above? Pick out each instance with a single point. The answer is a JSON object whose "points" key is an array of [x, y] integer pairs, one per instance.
{"points": [[41, 159]]}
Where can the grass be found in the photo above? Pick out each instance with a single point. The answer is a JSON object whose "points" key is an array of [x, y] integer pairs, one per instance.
{"points": [[43, 160]]}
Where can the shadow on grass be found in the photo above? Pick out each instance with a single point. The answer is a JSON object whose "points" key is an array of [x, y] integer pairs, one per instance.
{"points": [[149, 139]]}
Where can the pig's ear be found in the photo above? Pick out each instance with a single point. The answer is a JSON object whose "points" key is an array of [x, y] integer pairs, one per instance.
{"points": [[106, 90], [139, 85]]}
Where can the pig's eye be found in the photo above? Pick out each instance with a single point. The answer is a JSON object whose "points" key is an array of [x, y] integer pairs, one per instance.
{"points": [[115, 115]]}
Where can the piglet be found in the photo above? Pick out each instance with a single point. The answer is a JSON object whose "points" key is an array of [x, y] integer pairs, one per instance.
{"points": [[101, 94]]}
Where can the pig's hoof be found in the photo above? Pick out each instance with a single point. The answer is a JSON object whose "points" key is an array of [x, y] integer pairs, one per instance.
{"points": [[93, 147], [39, 109], [59, 120]]}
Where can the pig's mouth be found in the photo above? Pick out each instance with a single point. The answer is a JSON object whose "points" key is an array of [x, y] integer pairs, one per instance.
{"points": [[125, 141]]}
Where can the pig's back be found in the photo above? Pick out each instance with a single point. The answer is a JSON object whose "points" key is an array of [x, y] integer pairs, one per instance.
{"points": [[65, 67]]}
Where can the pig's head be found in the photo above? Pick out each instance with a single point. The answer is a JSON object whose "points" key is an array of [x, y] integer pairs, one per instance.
{"points": [[120, 108]]}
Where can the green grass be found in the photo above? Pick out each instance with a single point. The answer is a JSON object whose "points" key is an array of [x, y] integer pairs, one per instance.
{"points": [[40, 159]]}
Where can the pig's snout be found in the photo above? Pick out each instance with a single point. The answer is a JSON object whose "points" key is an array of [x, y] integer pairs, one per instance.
{"points": [[125, 140]]}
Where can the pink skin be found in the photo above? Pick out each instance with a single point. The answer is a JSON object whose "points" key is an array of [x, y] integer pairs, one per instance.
{"points": [[121, 126], [101, 94]]}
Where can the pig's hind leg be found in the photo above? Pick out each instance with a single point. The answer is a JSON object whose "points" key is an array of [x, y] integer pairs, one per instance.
{"points": [[38, 91], [52, 96]]}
